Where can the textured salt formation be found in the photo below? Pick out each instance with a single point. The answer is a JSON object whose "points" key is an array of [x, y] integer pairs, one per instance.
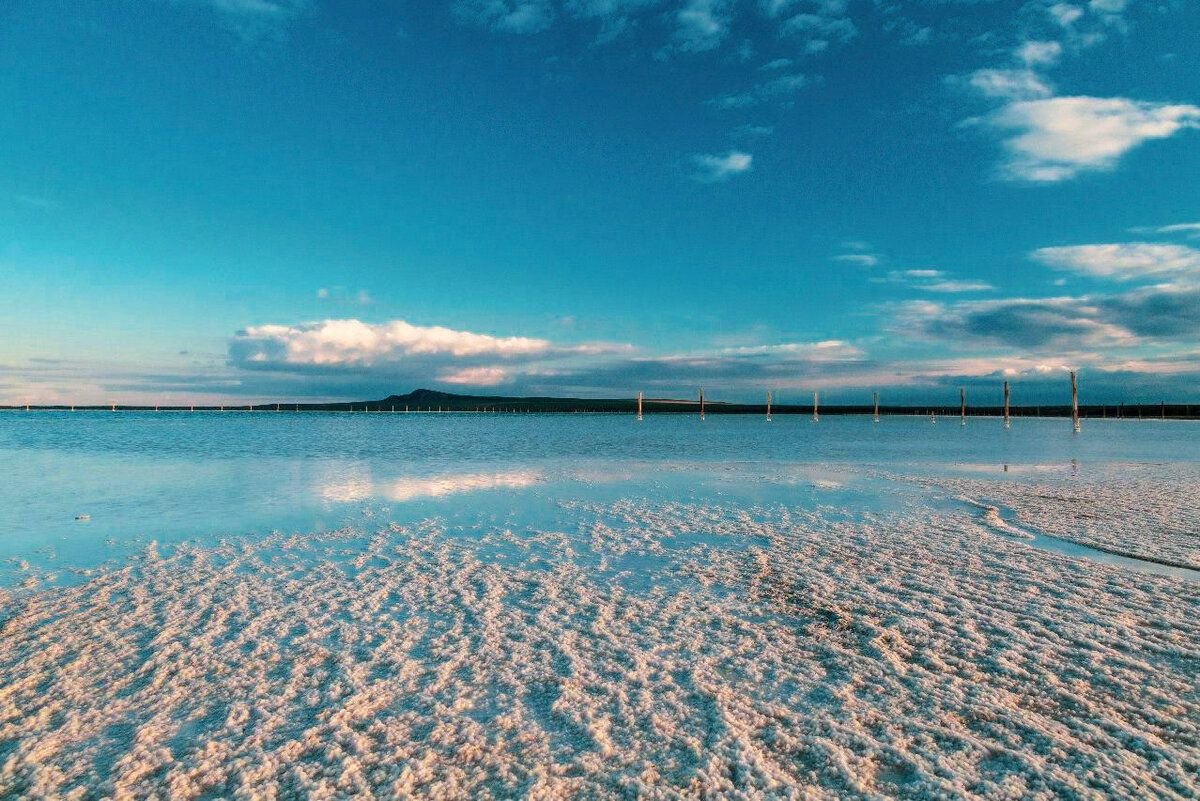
{"points": [[1144, 511], [770, 653]]}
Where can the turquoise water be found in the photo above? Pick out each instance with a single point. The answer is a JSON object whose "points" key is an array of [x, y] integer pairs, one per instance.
{"points": [[173, 476]]}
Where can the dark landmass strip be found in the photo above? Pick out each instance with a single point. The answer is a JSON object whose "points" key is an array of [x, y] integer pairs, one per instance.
{"points": [[428, 400]]}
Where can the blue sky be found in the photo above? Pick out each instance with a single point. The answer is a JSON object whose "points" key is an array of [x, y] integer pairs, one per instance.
{"points": [[240, 200]]}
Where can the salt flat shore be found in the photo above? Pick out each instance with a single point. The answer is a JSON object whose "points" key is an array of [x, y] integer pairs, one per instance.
{"points": [[640, 649]]}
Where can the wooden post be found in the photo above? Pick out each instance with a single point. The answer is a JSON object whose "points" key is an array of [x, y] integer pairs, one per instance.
{"points": [[1007, 419], [1074, 402], [816, 406], [876, 399], [962, 405], [768, 405], [639, 406], [701, 403]]}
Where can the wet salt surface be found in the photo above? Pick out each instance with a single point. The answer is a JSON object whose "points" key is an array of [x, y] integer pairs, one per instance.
{"points": [[785, 624]]}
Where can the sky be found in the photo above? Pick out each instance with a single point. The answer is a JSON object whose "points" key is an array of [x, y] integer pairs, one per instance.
{"points": [[253, 200]]}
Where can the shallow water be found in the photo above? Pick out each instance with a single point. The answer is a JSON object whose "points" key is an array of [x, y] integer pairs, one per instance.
{"points": [[497, 606], [174, 476]]}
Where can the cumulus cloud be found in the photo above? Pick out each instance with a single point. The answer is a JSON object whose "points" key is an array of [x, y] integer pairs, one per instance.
{"points": [[712, 168], [1025, 323], [1162, 313], [1123, 261], [1056, 138], [353, 343]]}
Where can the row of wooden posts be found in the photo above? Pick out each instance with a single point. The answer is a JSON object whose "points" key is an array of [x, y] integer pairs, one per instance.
{"points": [[962, 400]]}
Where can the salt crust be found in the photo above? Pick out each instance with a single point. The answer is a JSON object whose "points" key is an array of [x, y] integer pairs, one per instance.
{"points": [[754, 652]]}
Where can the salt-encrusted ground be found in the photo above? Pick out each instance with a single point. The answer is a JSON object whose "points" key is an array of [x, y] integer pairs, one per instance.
{"points": [[663, 650], [1145, 511]]}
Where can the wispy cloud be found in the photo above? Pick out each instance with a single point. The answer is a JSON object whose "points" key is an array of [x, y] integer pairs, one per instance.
{"points": [[1190, 230], [712, 168], [253, 19], [510, 16], [930, 280], [338, 294], [779, 88], [861, 259]]}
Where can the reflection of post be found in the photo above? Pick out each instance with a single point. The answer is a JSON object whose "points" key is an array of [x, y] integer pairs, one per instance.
{"points": [[768, 405], [816, 405], [876, 399], [1074, 402], [1007, 419], [701, 403], [962, 405]]}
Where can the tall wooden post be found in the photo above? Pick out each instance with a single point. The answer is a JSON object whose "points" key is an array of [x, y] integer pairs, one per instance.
{"points": [[1074, 402]]}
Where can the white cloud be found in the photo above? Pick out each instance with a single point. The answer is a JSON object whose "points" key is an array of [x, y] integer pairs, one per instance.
{"points": [[353, 343], [475, 376], [1065, 14], [702, 24], [1038, 53], [721, 167], [1056, 138], [1122, 261], [1020, 84]]}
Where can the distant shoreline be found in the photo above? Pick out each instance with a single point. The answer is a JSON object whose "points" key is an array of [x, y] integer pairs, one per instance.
{"points": [[430, 402]]}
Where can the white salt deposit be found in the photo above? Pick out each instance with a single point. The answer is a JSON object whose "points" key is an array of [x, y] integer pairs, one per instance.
{"points": [[1144, 511], [641, 649]]}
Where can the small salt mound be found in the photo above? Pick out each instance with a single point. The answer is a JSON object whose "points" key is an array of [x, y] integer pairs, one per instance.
{"points": [[991, 516]]}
